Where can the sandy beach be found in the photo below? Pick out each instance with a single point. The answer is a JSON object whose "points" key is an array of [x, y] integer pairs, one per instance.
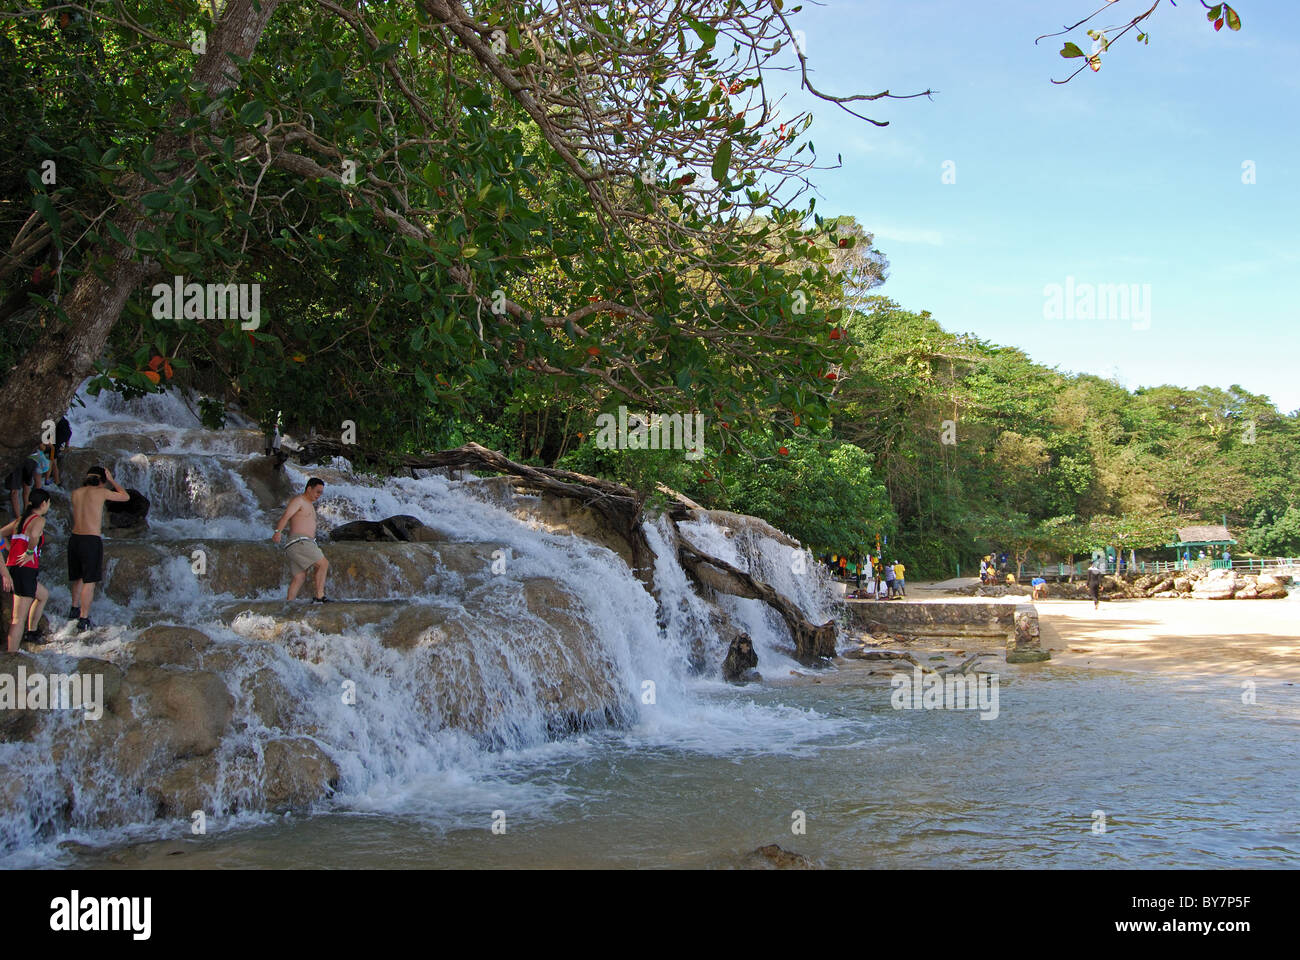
{"points": [[1246, 638]]}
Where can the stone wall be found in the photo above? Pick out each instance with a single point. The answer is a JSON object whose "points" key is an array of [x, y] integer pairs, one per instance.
{"points": [[1014, 623]]}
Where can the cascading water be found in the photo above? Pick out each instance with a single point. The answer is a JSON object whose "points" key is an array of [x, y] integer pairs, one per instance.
{"points": [[525, 643]]}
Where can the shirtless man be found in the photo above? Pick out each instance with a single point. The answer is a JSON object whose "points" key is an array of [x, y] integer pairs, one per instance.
{"points": [[300, 517], [86, 545]]}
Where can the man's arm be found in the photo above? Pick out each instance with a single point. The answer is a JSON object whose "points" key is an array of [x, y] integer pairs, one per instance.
{"points": [[117, 494], [294, 506]]}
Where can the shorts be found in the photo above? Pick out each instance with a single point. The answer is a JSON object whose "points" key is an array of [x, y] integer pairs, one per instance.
{"points": [[24, 476], [86, 558], [303, 554], [24, 581]]}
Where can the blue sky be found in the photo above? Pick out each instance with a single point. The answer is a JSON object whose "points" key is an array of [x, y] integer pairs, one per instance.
{"points": [[1129, 176]]}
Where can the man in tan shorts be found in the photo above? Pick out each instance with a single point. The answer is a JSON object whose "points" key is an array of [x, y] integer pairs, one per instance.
{"points": [[300, 517]]}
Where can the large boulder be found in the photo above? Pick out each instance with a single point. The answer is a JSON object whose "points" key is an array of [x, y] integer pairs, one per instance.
{"points": [[178, 646], [1269, 587], [741, 661], [16, 724], [297, 773], [399, 529], [127, 519], [188, 710], [1217, 585]]}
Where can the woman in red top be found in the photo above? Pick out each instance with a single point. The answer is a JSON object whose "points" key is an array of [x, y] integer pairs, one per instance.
{"points": [[24, 563]]}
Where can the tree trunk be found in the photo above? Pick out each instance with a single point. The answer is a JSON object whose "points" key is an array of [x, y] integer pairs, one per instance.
{"points": [[42, 384], [811, 642]]}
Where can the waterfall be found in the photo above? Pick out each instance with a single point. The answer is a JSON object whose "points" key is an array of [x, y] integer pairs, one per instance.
{"points": [[463, 656]]}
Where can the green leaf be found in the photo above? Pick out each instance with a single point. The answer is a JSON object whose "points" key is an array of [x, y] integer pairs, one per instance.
{"points": [[1213, 13], [721, 161], [1071, 50], [252, 112], [707, 34], [1234, 21]]}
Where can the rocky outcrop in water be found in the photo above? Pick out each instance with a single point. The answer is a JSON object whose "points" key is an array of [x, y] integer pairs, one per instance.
{"points": [[402, 529], [741, 661]]}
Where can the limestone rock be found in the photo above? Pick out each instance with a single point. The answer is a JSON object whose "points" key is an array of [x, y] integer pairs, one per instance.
{"points": [[773, 857], [399, 529], [129, 519], [1269, 587], [16, 724], [1219, 585], [115, 701], [297, 773], [178, 646], [741, 660], [198, 707]]}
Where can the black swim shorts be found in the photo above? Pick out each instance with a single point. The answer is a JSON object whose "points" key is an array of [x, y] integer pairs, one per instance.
{"points": [[24, 581], [86, 558], [24, 476]]}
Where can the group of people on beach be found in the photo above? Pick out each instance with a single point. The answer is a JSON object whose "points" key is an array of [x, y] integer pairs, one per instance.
{"points": [[884, 580]]}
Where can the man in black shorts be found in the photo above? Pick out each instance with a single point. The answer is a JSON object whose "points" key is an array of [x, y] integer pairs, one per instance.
{"points": [[86, 545]]}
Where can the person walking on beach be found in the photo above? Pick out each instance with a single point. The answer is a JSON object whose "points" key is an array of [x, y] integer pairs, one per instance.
{"points": [[890, 580], [24, 563], [300, 517], [1094, 583], [900, 578], [86, 545]]}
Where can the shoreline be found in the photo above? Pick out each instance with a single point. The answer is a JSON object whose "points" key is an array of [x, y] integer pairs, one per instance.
{"points": [[1257, 639]]}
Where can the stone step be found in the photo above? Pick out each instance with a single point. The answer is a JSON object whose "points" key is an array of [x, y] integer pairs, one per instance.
{"points": [[147, 573]]}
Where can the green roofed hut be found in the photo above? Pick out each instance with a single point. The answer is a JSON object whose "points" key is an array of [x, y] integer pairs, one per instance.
{"points": [[1214, 537]]}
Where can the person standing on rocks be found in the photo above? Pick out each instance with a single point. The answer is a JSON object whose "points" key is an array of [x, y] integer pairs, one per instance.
{"points": [[1094, 583], [24, 563], [86, 545], [300, 517]]}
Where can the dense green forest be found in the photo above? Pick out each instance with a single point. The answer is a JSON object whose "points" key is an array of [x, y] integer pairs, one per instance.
{"points": [[497, 225]]}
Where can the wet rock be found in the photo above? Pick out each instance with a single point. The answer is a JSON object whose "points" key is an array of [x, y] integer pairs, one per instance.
{"points": [[188, 786], [772, 856], [741, 660], [196, 707], [178, 646], [128, 519], [139, 572], [1025, 646], [297, 773], [115, 701], [399, 529], [16, 724]]}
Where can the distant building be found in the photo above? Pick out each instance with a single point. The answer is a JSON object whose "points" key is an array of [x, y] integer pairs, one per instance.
{"points": [[1207, 535]]}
